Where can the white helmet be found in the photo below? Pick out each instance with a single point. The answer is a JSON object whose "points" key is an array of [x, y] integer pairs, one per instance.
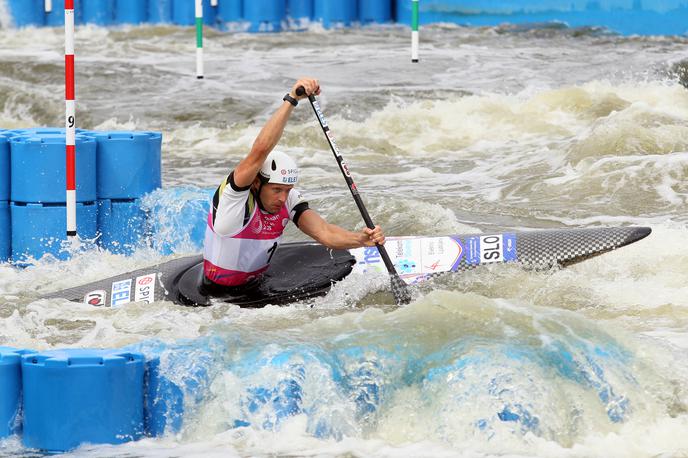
{"points": [[279, 168]]}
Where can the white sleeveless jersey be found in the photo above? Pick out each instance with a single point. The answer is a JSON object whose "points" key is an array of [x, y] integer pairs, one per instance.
{"points": [[236, 257]]}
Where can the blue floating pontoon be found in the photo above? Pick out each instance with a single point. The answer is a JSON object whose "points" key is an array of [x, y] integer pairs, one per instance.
{"points": [[76, 396]]}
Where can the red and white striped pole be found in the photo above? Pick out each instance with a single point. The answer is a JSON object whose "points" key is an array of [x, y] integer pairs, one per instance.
{"points": [[70, 118]]}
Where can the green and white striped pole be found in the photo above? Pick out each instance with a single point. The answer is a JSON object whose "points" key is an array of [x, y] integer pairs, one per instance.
{"points": [[199, 39], [414, 32]]}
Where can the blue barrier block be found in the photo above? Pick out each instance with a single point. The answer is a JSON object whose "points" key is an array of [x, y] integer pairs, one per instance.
{"points": [[299, 14], [160, 11], [178, 218], [5, 232], [370, 11], [4, 166], [335, 13], [10, 391], [184, 12], [164, 408], [27, 12], [300, 9], [99, 12], [403, 11], [177, 380], [39, 229], [155, 145], [174, 387], [128, 164], [55, 18], [38, 168], [265, 15], [43, 131], [121, 225], [78, 395], [131, 11], [229, 11]]}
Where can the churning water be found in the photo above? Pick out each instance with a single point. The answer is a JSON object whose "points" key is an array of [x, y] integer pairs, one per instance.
{"points": [[496, 129]]}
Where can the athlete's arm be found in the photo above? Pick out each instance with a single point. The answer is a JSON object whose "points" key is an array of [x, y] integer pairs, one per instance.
{"points": [[248, 168], [335, 237]]}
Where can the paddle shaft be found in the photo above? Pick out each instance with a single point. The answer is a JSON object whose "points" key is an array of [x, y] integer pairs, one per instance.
{"points": [[398, 286]]}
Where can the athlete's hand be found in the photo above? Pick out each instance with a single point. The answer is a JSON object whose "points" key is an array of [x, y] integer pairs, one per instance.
{"points": [[372, 237], [311, 86]]}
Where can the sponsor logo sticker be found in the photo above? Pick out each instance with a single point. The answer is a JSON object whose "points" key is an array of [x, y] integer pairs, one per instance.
{"points": [[145, 289], [371, 255], [96, 298], [121, 293], [510, 253], [406, 266], [319, 112], [472, 248]]}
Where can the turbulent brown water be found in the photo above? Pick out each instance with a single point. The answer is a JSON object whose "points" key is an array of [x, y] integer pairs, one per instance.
{"points": [[496, 129]]}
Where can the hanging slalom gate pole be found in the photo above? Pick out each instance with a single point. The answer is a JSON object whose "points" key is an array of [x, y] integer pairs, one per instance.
{"points": [[213, 2], [48, 6], [199, 39], [414, 32], [70, 118]]}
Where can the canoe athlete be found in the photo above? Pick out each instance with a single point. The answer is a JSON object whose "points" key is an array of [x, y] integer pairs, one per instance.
{"points": [[252, 206]]}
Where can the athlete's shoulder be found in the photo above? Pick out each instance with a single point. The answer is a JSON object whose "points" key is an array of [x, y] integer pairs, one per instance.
{"points": [[296, 196]]}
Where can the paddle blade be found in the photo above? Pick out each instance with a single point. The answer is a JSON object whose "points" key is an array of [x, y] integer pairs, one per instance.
{"points": [[400, 290]]}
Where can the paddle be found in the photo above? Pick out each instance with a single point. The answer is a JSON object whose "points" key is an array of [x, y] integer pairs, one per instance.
{"points": [[399, 288]]}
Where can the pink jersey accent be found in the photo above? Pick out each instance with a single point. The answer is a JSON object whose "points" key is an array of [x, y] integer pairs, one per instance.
{"points": [[233, 260]]}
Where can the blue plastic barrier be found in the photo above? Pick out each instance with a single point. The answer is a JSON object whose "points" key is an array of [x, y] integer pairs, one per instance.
{"points": [[164, 408], [38, 168], [335, 13], [229, 11], [183, 376], [55, 18], [178, 218], [299, 13], [403, 11], [184, 12], [178, 378], [121, 225], [370, 11], [5, 232], [128, 164], [42, 131], [155, 145], [76, 396], [131, 11], [27, 12], [160, 11], [10, 391], [99, 12], [300, 9], [265, 15], [4, 166], [39, 229]]}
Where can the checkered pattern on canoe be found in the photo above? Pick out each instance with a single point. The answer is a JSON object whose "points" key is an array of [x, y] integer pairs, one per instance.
{"points": [[548, 248]]}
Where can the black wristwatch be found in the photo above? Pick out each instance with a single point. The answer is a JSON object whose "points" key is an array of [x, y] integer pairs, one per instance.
{"points": [[290, 99]]}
